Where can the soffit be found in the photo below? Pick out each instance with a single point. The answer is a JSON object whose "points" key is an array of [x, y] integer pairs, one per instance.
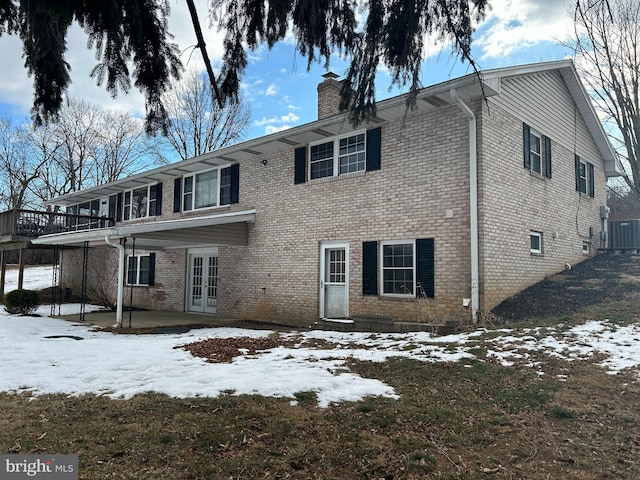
{"points": [[223, 229]]}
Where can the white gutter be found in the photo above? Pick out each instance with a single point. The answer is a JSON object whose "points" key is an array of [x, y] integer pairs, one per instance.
{"points": [[473, 203], [120, 247]]}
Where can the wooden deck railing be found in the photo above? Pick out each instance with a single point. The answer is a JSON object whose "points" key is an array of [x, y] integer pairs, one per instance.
{"points": [[33, 223]]}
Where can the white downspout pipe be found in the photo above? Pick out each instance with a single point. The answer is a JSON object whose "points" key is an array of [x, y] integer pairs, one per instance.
{"points": [[120, 248], [473, 204]]}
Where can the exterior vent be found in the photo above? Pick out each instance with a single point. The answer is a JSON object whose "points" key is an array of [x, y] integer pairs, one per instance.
{"points": [[624, 234]]}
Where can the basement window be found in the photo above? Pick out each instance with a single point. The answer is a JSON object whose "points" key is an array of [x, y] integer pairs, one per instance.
{"points": [[140, 269], [536, 242]]}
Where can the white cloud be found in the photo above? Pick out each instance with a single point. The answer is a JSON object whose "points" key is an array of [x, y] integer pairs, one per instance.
{"points": [[273, 129], [271, 90], [512, 25], [290, 117]]}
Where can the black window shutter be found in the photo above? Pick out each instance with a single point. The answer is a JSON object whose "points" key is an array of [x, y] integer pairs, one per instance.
{"points": [[526, 145], [425, 268], [592, 183], [113, 205], [547, 157], [374, 149], [152, 269], [119, 208], [177, 194], [300, 166], [577, 162], [235, 183], [370, 268], [158, 188]]}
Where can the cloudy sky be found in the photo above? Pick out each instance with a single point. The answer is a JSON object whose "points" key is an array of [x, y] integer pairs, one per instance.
{"points": [[281, 91]]}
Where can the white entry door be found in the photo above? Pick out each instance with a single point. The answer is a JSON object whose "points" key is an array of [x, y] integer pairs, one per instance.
{"points": [[334, 280], [203, 282]]}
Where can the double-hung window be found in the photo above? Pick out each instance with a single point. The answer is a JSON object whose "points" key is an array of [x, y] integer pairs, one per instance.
{"points": [[398, 268], [404, 268], [537, 151], [338, 157], [140, 269], [142, 202], [206, 189], [201, 190], [585, 181]]}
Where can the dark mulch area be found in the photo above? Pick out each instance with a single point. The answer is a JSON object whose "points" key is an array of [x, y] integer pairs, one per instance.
{"points": [[601, 279]]}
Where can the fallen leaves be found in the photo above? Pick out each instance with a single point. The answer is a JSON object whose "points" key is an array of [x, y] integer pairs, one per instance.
{"points": [[224, 350]]}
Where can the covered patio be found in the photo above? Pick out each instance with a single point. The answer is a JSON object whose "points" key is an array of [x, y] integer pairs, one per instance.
{"points": [[147, 321], [229, 228]]}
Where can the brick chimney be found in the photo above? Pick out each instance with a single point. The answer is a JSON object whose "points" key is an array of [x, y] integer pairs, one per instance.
{"points": [[329, 96]]}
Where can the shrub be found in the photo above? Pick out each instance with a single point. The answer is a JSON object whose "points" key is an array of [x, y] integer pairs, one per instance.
{"points": [[22, 302]]}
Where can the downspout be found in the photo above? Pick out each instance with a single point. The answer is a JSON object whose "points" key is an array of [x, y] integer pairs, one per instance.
{"points": [[120, 247], [473, 204]]}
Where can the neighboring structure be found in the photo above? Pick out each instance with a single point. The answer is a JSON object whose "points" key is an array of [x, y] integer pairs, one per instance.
{"points": [[438, 212]]}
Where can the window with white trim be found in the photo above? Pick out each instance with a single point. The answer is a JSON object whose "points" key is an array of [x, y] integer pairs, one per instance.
{"points": [[535, 239], [139, 269], [140, 202], [398, 268], [585, 177], [535, 151], [338, 157], [582, 176], [201, 190]]}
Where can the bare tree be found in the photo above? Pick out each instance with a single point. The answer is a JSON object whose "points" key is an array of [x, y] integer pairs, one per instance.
{"points": [[123, 147], [197, 124], [76, 129], [20, 166], [606, 43]]}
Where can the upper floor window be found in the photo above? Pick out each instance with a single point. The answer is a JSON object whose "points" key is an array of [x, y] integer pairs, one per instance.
{"points": [[357, 152], [537, 151], [210, 188], [585, 177], [346, 155], [201, 190], [142, 202]]}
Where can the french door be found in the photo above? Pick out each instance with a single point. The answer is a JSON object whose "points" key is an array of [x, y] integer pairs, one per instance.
{"points": [[334, 280], [202, 282]]}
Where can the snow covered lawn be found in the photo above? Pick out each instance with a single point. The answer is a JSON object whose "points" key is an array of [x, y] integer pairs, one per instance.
{"points": [[124, 365]]}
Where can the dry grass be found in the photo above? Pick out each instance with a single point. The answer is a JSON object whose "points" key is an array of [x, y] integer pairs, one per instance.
{"points": [[467, 420]]}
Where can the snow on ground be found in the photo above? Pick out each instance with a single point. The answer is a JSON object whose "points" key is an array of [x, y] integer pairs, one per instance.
{"points": [[121, 366]]}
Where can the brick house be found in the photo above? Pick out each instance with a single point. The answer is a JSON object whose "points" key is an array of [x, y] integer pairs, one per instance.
{"points": [[433, 213]]}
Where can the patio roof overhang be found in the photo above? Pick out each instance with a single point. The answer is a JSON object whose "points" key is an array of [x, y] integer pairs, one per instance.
{"points": [[222, 229]]}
